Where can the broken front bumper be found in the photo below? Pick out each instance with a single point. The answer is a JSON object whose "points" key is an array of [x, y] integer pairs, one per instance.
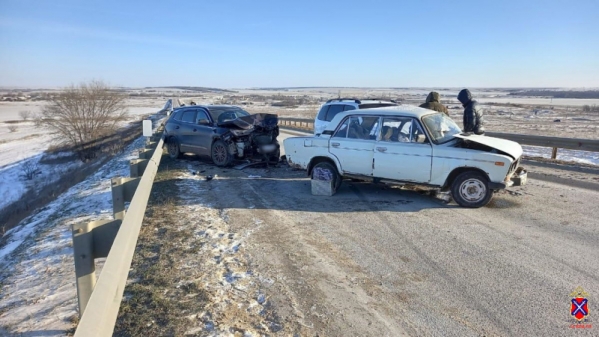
{"points": [[519, 177]]}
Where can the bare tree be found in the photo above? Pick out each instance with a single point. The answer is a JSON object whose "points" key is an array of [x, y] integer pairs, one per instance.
{"points": [[25, 114], [81, 115], [12, 128], [30, 169]]}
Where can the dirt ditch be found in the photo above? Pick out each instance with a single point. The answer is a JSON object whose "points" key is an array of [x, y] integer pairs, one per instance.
{"points": [[36, 198]]}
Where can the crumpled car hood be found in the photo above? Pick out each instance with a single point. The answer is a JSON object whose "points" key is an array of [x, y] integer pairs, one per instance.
{"points": [[267, 121], [512, 148]]}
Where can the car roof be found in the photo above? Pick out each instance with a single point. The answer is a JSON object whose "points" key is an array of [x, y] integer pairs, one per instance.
{"points": [[403, 110], [208, 106]]}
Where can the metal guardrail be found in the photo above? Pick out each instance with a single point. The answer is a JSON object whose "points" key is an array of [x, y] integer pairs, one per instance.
{"points": [[542, 141], [116, 239]]}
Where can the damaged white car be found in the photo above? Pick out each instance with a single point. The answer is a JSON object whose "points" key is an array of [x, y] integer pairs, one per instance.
{"points": [[410, 145]]}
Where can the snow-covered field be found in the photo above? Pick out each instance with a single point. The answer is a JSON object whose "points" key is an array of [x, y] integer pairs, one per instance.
{"points": [[26, 145], [37, 276]]}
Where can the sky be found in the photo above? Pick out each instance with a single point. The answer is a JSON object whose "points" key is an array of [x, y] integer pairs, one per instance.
{"points": [[243, 44]]}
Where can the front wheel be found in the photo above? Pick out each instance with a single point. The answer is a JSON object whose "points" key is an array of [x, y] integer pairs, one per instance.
{"points": [[471, 189], [274, 157], [220, 154]]}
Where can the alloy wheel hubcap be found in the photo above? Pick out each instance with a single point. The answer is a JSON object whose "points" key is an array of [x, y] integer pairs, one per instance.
{"points": [[219, 153]]}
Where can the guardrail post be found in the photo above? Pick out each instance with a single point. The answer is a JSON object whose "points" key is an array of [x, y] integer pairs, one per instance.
{"points": [[137, 167], [123, 190], [554, 153], [145, 153], [91, 240]]}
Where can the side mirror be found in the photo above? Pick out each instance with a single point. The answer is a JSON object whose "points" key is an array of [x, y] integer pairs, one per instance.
{"points": [[421, 139], [203, 122]]}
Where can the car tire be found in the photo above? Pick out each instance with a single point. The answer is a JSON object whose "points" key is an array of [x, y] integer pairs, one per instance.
{"points": [[220, 154], [173, 148], [336, 176], [471, 189]]}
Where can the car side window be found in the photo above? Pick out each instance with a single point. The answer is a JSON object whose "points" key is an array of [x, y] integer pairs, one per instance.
{"points": [[334, 109], [322, 114], [201, 115], [363, 128], [177, 115], [349, 107], [402, 129], [342, 130], [189, 116]]}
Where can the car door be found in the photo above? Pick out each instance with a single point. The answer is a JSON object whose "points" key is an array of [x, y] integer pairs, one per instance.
{"points": [[186, 132], [402, 151], [202, 132], [353, 144]]}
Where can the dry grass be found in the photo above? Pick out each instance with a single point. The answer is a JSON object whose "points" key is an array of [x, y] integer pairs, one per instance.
{"points": [[160, 301]]}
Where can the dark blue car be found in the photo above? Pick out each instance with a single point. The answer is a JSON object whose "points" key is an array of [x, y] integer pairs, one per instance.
{"points": [[223, 132]]}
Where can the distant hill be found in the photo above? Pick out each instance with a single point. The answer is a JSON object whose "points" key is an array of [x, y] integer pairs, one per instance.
{"points": [[198, 89], [558, 93]]}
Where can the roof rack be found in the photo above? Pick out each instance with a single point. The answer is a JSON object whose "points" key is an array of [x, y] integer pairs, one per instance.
{"points": [[358, 101], [379, 99], [344, 99]]}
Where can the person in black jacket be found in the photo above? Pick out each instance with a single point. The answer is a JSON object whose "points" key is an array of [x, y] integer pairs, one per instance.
{"points": [[473, 113]]}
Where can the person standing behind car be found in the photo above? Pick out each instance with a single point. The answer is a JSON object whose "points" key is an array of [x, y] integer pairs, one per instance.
{"points": [[433, 102], [473, 113]]}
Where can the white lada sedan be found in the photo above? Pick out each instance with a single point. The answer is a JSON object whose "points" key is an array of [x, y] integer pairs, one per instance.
{"points": [[410, 145]]}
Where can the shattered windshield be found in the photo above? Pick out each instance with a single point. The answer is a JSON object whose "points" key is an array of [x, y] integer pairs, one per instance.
{"points": [[441, 127], [224, 114]]}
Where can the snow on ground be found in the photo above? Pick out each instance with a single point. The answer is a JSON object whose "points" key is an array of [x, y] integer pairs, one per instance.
{"points": [[25, 146], [13, 183], [584, 157], [37, 277], [26, 142]]}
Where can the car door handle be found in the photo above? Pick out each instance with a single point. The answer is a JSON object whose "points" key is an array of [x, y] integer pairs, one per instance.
{"points": [[194, 130], [381, 149], [335, 144], [177, 127]]}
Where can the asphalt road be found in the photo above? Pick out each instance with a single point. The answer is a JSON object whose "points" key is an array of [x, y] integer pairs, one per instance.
{"points": [[380, 261]]}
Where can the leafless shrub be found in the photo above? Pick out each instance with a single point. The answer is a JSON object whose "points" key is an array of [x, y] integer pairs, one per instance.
{"points": [[12, 128], [30, 169], [115, 147], [25, 114], [83, 114]]}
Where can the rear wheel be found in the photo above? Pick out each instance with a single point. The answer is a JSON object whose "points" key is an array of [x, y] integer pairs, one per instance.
{"points": [[173, 148], [471, 189], [220, 154], [330, 167]]}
